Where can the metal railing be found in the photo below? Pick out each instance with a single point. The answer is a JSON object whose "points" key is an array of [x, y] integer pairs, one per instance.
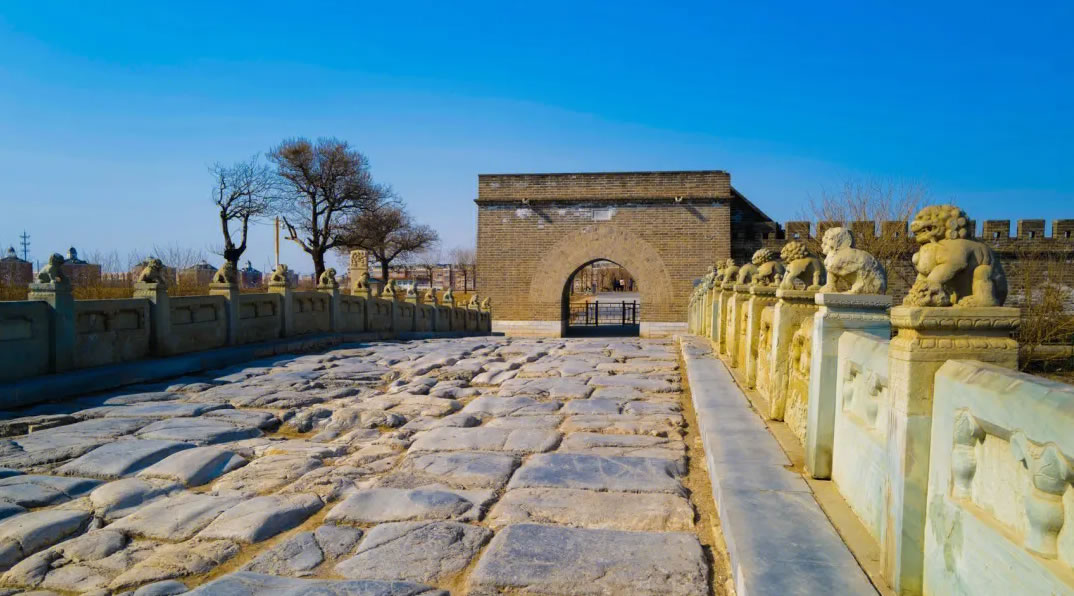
{"points": [[604, 313]]}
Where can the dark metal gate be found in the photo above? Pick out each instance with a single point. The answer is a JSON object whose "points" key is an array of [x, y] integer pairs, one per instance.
{"points": [[604, 318]]}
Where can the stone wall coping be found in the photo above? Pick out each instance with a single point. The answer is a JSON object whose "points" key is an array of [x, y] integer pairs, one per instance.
{"points": [[949, 318], [853, 300], [796, 295], [763, 290], [742, 288]]}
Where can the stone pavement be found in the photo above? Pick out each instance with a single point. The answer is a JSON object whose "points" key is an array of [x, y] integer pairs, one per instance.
{"points": [[476, 465]]}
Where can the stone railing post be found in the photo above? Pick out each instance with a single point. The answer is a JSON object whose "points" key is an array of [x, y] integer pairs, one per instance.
{"points": [[736, 323], [280, 284], [927, 337], [230, 292], [160, 315], [760, 298], [727, 292], [836, 313], [335, 306], [792, 307], [62, 322]]}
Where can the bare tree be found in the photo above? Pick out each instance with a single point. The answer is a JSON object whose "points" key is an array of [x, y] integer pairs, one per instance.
{"points": [[464, 257], [872, 201], [389, 234], [322, 185], [1044, 280], [427, 259], [243, 192]]}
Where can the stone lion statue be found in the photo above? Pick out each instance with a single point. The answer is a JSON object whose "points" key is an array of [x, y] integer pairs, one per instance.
{"points": [[804, 270], [449, 296], [431, 297], [279, 275], [226, 274], [153, 272], [952, 269], [486, 304], [475, 301], [850, 270], [769, 269], [730, 271], [388, 289], [328, 278], [52, 272], [362, 282]]}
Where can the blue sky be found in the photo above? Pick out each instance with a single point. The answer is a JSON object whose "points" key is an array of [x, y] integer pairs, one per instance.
{"points": [[111, 112]]}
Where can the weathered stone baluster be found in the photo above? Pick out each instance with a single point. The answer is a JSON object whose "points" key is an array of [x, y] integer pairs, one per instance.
{"points": [[328, 284], [152, 286], [964, 455], [280, 284], [53, 287], [225, 283], [1049, 476]]}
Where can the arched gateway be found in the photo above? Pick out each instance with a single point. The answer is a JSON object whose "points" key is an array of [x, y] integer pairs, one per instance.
{"points": [[534, 231]]}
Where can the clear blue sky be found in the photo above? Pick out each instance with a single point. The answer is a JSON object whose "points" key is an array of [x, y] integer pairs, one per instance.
{"points": [[110, 112]]}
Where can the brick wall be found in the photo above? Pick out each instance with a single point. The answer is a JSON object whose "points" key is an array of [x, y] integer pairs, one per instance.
{"points": [[527, 251]]}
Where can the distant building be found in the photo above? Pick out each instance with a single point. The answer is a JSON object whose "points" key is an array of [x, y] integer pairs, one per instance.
{"points": [[199, 274], [15, 271], [80, 272], [440, 276]]}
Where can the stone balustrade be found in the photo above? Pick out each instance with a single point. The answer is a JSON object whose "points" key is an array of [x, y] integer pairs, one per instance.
{"points": [[958, 467], [52, 333]]}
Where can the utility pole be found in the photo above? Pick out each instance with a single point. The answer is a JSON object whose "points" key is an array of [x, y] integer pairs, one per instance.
{"points": [[25, 245]]}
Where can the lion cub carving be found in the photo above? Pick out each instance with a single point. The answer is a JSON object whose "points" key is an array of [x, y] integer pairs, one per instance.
{"points": [[153, 273], [952, 269], [850, 270], [53, 272], [769, 270], [226, 274], [804, 270]]}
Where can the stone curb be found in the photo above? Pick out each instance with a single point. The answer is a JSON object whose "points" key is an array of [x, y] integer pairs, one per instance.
{"points": [[778, 539], [90, 380]]}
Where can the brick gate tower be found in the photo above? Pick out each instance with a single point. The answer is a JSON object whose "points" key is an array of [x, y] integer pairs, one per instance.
{"points": [[535, 231]]}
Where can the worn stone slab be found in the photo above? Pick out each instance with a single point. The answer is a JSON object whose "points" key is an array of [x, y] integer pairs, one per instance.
{"points": [[158, 410], [266, 474], [254, 418], [194, 467], [414, 551], [246, 583], [121, 458], [556, 388], [64, 442], [175, 518], [546, 422], [591, 406], [26, 534], [262, 518], [379, 505], [655, 512], [655, 425], [120, 498], [552, 560], [200, 431], [486, 439], [460, 470], [170, 561], [632, 445], [34, 490], [596, 472], [488, 406], [641, 383]]}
